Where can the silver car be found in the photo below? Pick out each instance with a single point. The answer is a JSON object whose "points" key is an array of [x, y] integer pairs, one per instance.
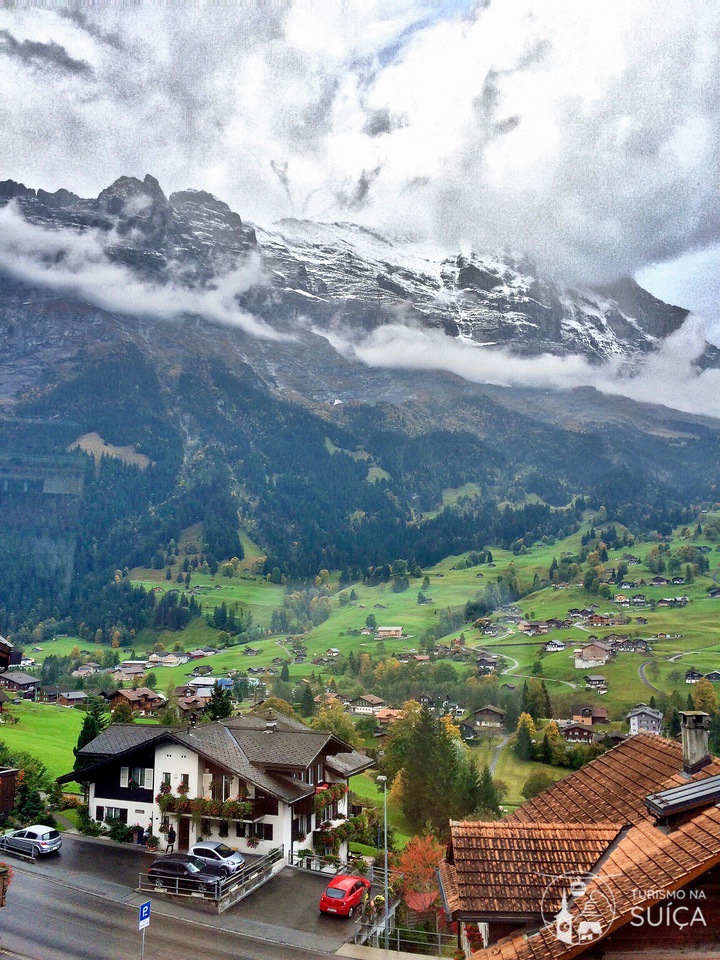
{"points": [[33, 841], [219, 855]]}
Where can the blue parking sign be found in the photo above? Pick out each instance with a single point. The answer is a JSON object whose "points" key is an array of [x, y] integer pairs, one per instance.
{"points": [[144, 918]]}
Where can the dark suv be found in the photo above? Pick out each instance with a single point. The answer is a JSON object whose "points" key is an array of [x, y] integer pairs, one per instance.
{"points": [[179, 872]]}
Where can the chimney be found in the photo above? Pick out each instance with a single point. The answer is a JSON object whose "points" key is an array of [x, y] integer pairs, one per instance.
{"points": [[271, 723], [694, 725]]}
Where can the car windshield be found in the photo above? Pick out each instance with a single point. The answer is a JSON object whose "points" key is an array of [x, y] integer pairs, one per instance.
{"points": [[334, 893], [195, 865], [51, 835], [223, 850]]}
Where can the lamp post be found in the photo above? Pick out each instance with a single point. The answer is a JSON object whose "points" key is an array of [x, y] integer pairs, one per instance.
{"points": [[383, 781]]}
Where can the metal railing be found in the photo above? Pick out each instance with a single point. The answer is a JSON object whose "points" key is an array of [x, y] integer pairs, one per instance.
{"points": [[433, 943], [222, 892]]}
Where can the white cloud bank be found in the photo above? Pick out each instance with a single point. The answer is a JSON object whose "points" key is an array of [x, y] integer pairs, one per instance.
{"points": [[586, 134], [667, 377], [77, 264]]}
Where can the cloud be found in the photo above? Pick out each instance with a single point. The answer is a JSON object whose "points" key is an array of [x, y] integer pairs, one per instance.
{"points": [[584, 134], [669, 376], [77, 264], [50, 56]]}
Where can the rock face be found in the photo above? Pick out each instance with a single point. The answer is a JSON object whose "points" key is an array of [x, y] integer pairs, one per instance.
{"points": [[342, 274]]}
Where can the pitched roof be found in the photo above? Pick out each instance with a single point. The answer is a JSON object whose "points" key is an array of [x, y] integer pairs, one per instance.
{"points": [[241, 745], [644, 857], [504, 867], [613, 787], [646, 860]]}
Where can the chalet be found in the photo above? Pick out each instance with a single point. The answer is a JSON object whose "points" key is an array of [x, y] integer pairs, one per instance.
{"points": [[252, 651], [713, 676], [644, 719], [8, 779], [142, 700], [593, 655], [72, 698], [191, 708], [577, 733], [533, 628], [366, 705], [590, 715], [489, 716], [487, 663], [640, 825], [677, 581], [268, 779], [621, 598], [596, 682], [467, 731], [693, 676], [427, 700], [387, 633], [421, 657], [386, 716], [129, 671], [659, 582], [21, 684], [48, 693], [5, 650], [639, 600], [554, 646], [631, 645]]}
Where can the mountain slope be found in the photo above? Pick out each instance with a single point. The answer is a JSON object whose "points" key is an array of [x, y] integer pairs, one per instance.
{"points": [[327, 462]]}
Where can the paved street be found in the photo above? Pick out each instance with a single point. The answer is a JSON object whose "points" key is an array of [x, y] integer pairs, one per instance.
{"points": [[83, 904], [44, 921]]}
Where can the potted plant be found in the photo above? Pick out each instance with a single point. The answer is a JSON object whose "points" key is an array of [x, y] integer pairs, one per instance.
{"points": [[253, 842], [152, 843]]}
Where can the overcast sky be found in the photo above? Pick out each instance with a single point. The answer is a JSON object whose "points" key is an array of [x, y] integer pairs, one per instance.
{"points": [[583, 133]]}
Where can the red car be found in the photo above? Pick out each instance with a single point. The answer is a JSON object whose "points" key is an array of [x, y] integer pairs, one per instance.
{"points": [[343, 895]]}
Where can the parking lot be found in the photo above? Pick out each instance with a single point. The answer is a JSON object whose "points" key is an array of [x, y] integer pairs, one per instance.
{"points": [[284, 910]]}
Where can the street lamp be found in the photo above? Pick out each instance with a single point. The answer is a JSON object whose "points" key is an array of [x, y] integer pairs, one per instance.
{"points": [[383, 781]]}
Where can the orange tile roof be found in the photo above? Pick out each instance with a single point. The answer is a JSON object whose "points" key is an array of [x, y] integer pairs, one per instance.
{"points": [[505, 868], [613, 787], [647, 859]]}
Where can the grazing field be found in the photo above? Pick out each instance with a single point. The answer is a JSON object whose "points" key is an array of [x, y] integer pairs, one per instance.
{"points": [[46, 731]]}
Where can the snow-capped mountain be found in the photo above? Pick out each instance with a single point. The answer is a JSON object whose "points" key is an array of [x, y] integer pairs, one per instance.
{"points": [[343, 276]]}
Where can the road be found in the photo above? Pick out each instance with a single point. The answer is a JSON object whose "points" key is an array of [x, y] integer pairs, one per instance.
{"points": [[641, 674], [44, 920], [90, 889]]}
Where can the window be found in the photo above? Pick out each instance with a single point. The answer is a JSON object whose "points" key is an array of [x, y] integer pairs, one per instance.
{"points": [[136, 778], [115, 813], [166, 779], [185, 780]]}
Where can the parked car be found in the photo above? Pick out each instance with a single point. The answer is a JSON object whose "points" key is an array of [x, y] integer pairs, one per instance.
{"points": [[181, 871], [33, 841], [343, 894], [219, 854]]}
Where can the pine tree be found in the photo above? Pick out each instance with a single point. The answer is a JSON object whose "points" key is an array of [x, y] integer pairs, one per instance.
{"points": [[307, 701], [285, 673], [219, 706], [488, 794], [94, 723], [524, 741], [547, 704]]}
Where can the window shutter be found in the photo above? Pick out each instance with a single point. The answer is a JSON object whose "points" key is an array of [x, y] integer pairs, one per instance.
{"points": [[100, 813], [123, 815], [267, 831], [124, 776], [148, 778]]}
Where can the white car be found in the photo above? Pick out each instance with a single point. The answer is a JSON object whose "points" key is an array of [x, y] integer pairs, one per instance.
{"points": [[219, 854]]}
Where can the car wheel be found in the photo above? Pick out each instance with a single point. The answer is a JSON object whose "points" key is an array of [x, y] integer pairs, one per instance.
{"points": [[156, 881], [35, 852], [351, 911]]}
